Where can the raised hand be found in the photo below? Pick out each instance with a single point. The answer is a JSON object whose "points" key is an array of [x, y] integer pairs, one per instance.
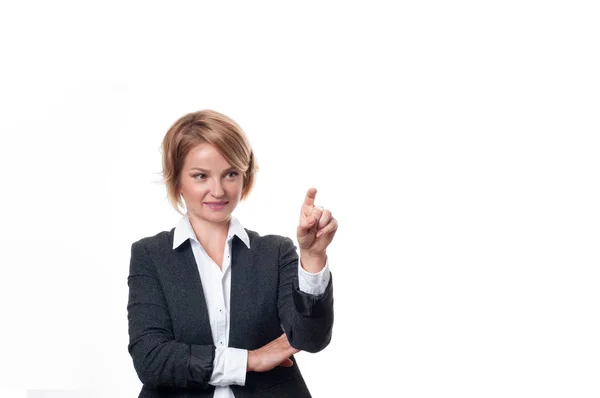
{"points": [[316, 228]]}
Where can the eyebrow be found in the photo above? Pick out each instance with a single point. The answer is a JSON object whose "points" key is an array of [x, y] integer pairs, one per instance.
{"points": [[208, 171]]}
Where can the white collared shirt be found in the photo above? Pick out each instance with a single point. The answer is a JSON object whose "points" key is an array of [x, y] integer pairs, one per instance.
{"points": [[230, 363]]}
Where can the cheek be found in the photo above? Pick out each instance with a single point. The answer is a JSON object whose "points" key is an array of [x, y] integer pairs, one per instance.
{"points": [[240, 187], [194, 190], [236, 189]]}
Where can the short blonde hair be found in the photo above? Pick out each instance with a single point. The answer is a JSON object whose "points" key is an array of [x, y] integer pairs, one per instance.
{"points": [[216, 129]]}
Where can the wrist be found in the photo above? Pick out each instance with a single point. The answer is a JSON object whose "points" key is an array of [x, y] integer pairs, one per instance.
{"points": [[313, 262], [251, 365]]}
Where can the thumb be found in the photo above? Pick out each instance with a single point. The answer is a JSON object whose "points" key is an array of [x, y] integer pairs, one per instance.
{"points": [[306, 223], [303, 230]]}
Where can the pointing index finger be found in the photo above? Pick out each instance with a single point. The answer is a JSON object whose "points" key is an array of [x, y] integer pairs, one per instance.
{"points": [[309, 200]]}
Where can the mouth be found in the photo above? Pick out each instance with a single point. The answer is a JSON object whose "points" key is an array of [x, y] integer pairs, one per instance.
{"points": [[216, 205]]}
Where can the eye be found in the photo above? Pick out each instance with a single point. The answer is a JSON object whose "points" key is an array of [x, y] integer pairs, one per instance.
{"points": [[199, 176], [232, 174]]}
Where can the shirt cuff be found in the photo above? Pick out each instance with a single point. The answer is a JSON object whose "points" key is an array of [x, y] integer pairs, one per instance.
{"points": [[230, 366], [313, 283]]}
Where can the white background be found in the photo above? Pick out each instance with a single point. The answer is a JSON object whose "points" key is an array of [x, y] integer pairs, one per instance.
{"points": [[456, 143]]}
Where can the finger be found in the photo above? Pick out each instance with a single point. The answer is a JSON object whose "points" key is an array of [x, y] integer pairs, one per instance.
{"points": [[305, 227], [284, 347], [291, 351], [317, 213], [330, 228], [308, 221], [282, 337], [326, 217], [309, 199], [283, 342], [287, 363]]}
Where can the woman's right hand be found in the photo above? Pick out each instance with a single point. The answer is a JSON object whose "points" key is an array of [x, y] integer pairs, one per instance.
{"points": [[276, 353]]}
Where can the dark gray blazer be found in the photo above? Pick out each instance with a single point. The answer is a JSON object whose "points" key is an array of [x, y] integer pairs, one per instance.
{"points": [[170, 338]]}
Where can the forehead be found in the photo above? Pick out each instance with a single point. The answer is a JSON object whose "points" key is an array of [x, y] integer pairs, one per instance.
{"points": [[205, 156]]}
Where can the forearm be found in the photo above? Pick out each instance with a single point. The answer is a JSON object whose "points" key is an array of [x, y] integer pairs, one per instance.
{"points": [[313, 263], [172, 364], [310, 319], [230, 367], [313, 283], [307, 319]]}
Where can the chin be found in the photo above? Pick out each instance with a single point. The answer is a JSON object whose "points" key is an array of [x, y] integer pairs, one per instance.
{"points": [[217, 217]]}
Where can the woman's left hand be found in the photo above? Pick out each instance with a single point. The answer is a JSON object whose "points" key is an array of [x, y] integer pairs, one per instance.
{"points": [[317, 227]]}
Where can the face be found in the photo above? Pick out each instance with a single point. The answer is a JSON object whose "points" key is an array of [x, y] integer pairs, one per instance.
{"points": [[210, 186]]}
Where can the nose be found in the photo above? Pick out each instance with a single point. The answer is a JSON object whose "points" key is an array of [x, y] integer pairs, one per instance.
{"points": [[216, 189]]}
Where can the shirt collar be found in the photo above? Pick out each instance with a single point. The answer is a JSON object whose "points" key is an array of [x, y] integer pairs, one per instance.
{"points": [[184, 231]]}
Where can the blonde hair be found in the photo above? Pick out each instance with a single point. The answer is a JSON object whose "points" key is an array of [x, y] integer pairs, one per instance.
{"points": [[216, 129]]}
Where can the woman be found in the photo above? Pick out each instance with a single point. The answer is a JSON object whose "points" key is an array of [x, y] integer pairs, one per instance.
{"points": [[216, 310]]}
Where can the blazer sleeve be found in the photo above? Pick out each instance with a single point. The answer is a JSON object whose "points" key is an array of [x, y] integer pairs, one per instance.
{"points": [[158, 359], [307, 319]]}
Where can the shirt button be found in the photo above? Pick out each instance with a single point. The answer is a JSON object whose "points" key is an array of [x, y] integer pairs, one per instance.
{"points": [[220, 310], [221, 343]]}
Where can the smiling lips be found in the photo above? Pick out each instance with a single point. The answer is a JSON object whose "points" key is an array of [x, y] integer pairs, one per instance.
{"points": [[216, 205]]}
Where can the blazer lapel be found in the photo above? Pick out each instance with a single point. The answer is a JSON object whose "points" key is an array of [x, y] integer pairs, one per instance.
{"points": [[243, 283], [187, 288]]}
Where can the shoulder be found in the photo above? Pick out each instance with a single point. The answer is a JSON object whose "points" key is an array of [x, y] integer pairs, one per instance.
{"points": [[160, 241], [271, 242]]}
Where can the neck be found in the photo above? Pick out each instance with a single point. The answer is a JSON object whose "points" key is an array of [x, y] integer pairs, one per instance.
{"points": [[209, 233]]}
